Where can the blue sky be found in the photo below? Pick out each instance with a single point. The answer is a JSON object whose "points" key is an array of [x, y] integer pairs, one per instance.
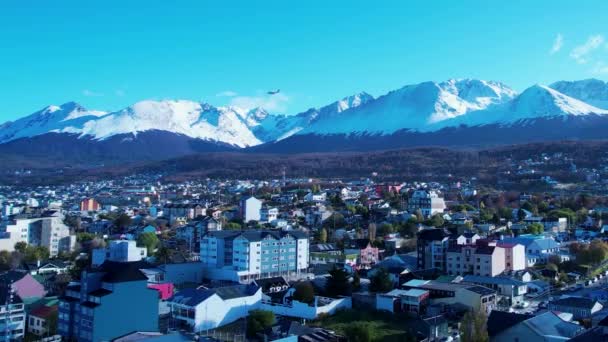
{"points": [[111, 54]]}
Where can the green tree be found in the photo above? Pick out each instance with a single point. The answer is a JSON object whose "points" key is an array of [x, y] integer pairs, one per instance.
{"points": [[381, 281], [521, 214], [21, 246], [323, 235], [259, 320], [123, 221], [163, 254], [304, 292], [535, 228], [36, 253], [5, 260], [148, 240], [358, 332], [337, 283], [356, 281], [473, 327]]}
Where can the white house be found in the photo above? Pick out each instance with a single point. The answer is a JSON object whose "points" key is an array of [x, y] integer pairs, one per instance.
{"points": [[203, 309], [119, 250]]}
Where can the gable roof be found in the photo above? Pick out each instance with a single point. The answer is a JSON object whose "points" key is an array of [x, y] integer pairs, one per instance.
{"points": [[577, 302], [499, 321]]}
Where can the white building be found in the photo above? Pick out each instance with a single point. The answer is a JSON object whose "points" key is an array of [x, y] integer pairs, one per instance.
{"points": [[203, 309], [269, 215], [311, 197], [46, 229], [427, 201], [250, 209], [15, 315], [120, 251]]}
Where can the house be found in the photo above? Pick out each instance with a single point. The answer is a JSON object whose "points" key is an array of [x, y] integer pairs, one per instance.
{"points": [[290, 307], [250, 209], [119, 251], [40, 320], [315, 197], [547, 326], [198, 309], [427, 202], [408, 301], [367, 254], [484, 258], [269, 215], [22, 284], [109, 301], [538, 248], [579, 307], [183, 211], [514, 290], [54, 266]]}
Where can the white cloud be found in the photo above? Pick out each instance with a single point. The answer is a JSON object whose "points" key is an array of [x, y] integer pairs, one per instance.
{"points": [[227, 93], [91, 93], [272, 103], [557, 44], [600, 68], [581, 52]]}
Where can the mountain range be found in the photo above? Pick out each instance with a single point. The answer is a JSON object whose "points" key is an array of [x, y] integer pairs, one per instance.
{"points": [[453, 113]]}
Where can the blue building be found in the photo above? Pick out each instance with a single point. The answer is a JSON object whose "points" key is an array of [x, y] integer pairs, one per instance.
{"points": [[110, 301]]}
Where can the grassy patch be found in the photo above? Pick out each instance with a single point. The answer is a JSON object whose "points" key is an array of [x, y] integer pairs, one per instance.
{"points": [[384, 326]]}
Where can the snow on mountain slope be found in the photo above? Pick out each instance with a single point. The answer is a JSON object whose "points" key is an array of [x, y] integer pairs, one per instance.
{"points": [[533, 103], [278, 127], [49, 119], [223, 124], [591, 91], [414, 107]]}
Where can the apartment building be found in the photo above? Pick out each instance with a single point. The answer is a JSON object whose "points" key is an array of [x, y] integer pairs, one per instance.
{"points": [[42, 229], [110, 301], [432, 248], [484, 259], [119, 251], [254, 254], [427, 201]]}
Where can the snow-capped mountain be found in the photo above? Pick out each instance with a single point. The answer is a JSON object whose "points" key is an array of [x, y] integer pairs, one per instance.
{"points": [[415, 107], [49, 119], [591, 91], [457, 112]]}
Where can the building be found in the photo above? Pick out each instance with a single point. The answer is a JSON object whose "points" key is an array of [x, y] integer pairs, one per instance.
{"points": [[12, 311], [538, 248], [579, 307], [484, 259], [427, 201], [473, 296], [431, 248], [119, 251], [253, 254], [512, 289], [108, 302], [45, 229], [269, 215], [89, 204], [40, 320], [250, 209], [183, 211], [367, 255], [547, 326], [325, 253], [198, 309], [397, 301]]}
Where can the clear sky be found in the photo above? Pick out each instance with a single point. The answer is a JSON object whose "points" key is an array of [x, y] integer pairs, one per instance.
{"points": [[111, 54]]}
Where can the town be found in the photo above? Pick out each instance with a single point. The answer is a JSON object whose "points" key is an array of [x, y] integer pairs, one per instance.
{"points": [[299, 259]]}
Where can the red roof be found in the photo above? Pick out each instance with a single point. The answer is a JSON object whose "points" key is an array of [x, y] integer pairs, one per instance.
{"points": [[44, 311]]}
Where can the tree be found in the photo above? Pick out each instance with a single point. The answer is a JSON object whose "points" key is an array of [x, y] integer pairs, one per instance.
{"points": [[21, 246], [163, 254], [337, 283], [148, 240], [521, 214], [5, 260], [535, 228], [122, 221], [358, 332], [323, 235], [381, 281], [304, 292], [356, 281], [437, 220], [36, 253], [473, 327], [259, 320]]}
